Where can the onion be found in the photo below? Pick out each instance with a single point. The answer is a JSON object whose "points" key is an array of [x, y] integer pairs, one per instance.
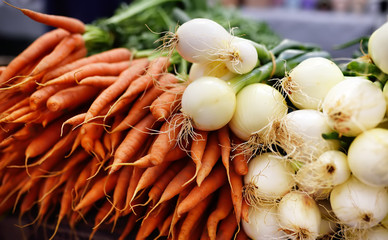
{"points": [[353, 106], [242, 56], [358, 205], [209, 103], [213, 69], [377, 47], [319, 177], [299, 216], [368, 157], [300, 135], [308, 83], [385, 92], [263, 224], [269, 178], [257, 106]]}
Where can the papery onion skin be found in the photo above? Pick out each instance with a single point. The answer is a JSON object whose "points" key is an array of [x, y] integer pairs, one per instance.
{"points": [[368, 157]]}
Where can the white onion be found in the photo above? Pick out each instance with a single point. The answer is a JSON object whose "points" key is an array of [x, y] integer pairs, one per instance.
{"points": [[376, 233], [320, 176], [358, 205], [200, 40], [209, 103], [310, 81], [299, 216], [263, 224], [353, 106], [213, 69], [378, 48], [257, 106], [301, 132], [368, 157], [241, 57], [385, 92], [269, 178]]}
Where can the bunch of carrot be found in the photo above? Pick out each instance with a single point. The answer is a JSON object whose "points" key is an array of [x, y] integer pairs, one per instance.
{"points": [[97, 134]]}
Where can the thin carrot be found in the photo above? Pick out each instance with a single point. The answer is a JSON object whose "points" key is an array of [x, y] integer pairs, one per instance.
{"points": [[59, 53], [136, 68], [215, 180], [89, 133], [70, 98], [102, 213], [225, 144], [115, 138], [174, 226], [136, 175], [93, 69], [223, 208], [39, 47], [210, 157], [129, 226], [193, 218], [236, 183], [16, 114], [150, 223], [133, 141], [197, 150], [167, 103], [245, 211], [144, 82], [163, 230], [227, 228], [70, 24], [109, 56], [99, 81], [102, 186], [29, 200], [239, 160], [40, 96], [120, 191]]}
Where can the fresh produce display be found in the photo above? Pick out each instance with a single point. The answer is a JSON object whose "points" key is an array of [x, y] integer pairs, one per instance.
{"points": [[200, 132]]}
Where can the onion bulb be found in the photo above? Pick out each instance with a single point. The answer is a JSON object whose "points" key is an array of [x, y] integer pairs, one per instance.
{"points": [[209, 103], [241, 57], [263, 224], [385, 92], [317, 178], [378, 48], [300, 135], [368, 157], [269, 178], [213, 69], [299, 216], [353, 106], [308, 83], [358, 205]]}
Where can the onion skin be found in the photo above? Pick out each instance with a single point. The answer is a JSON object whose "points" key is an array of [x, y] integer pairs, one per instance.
{"points": [[378, 47]]}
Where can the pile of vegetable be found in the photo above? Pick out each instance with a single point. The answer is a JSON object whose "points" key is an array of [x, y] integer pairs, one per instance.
{"points": [[210, 135]]}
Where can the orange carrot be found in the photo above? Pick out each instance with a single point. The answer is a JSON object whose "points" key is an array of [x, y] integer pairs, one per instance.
{"points": [[70, 98], [40, 96], [115, 138], [29, 200], [214, 181], [150, 223], [102, 186], [236, 183], [59, 53], [193, 218], [109, 56], [99, 81], [163, 231], [102, 213], [93, 69], [135, 69], [120, 191], [89, 133], [210, 157], [239, 160], [133, 141], [172, 155], [167, 103], [144, 82], [227, 228], [197, 150], [174, 226], [245, 211], [129, 226], [70, 24], [223, 208], [225, 143], [16, 114], [35, 50], [135, 176]]}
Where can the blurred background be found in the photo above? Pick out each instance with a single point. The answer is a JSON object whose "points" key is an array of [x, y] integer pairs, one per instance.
{"points": [[327, 23]]}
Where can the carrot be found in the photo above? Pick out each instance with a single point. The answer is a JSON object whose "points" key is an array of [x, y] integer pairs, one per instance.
{"points": [[133, 141], [93, 69], [102, 186], [225, 143], [236, 183], [89, 133], [16, 114], [35, 50], [140, 108], [129, 226], [227, 228], [144, 82], [150, 223], [115, 138], [109, 56], [167, 103], [214, 181], [11, 100], [197, 150], [245, 210], [239, 161], [40, 96], [70, 24], [29, 200], [172, 155], [120, 191], [102, 213], [70, 98], [136, 175], [99, 81], [135, 69], [193, 218], [210, 157], [174, 227], [59, 53], [161, 183], [223, 208], [163, 230]]}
